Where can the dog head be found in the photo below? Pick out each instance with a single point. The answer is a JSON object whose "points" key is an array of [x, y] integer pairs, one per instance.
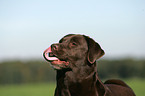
{"points": [[72, 51]]}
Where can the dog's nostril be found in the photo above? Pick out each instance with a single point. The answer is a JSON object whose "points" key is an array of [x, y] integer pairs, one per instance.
{"points": [[55, 47]]}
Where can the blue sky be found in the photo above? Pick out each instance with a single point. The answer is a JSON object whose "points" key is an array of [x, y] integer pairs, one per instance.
{"points": [[28, 27]]}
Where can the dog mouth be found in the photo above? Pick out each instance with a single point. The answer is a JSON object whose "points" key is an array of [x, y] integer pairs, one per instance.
{"points": [[49, 56], [54, 60]]}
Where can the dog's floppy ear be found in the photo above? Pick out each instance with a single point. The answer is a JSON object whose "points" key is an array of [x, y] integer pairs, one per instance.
{"points": [[94, 50]]}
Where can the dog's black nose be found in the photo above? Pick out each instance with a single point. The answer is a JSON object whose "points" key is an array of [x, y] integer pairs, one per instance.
{"points": [[54, 47]]}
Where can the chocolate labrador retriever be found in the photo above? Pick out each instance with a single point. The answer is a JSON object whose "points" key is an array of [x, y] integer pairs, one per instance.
{"points": [[74, 58]]}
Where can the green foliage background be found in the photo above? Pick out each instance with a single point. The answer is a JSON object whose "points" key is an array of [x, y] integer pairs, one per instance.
{"points": [[18, 72]]}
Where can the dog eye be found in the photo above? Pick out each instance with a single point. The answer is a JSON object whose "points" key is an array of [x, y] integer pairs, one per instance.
{"points": [[73, 44]]}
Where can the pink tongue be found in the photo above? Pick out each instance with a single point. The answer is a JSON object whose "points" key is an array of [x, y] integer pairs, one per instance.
{"points": [[46, 54]]}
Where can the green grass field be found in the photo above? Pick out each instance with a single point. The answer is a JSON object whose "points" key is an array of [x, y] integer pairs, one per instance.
{"points": [[138, 86], [47, 89]]}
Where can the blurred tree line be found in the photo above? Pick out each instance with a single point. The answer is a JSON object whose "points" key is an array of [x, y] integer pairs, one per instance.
{"points": [[17, 72]]}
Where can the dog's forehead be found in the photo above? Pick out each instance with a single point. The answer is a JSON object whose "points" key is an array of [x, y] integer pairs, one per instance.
{"points": [[76, 38]]}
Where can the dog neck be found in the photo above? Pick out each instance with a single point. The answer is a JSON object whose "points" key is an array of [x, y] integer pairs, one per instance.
{"points": [[78, 79]]}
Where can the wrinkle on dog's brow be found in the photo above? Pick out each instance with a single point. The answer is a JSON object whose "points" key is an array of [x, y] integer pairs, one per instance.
{"points": [[64, 39], [74, 40], [77, 38]]}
